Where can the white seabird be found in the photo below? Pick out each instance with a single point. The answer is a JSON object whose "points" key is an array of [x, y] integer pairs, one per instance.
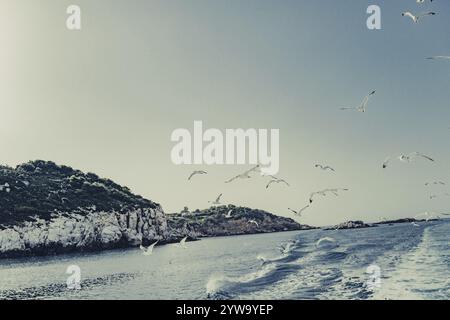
{"points": [[417, 17], [254, 222], [149, 250], [277, 181], [217, 201], [244, 175], [324, 168], [362, 107], [228, 215], [197, 172], [183, 242], [439, 58], [325, 191], [299, 212]]}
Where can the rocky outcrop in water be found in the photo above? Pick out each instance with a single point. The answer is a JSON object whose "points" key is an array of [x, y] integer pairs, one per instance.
{"points": [[350, 225], [48, 209], [231, 220]]}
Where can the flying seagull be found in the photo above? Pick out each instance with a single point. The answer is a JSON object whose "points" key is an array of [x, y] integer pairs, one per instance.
{"points": [[422, 1], [408, 158], [183, 242], [385, 163], [254, 222], [439, 58], [415, 224], [412, 156], [416, 18], [245, 175], [362, 107], [324, 168], [324, 193], [435, 183], [149, 250], [217, 201], [276, 181], [299, 212], [196, 173], [228, 215]]}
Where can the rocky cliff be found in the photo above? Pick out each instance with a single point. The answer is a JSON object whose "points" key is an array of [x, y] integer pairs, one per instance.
{"points": [[46, 208]]}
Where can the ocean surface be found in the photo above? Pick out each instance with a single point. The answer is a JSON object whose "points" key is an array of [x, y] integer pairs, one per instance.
{"points": [[400, 261]]}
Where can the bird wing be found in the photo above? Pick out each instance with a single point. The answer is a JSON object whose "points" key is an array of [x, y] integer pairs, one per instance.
{"points": [[232, 179], [255, 168], [270, 182], [285, 182], [153, 245], [218, 198], [424, 156], [424, 14], [183, 241], [385, 163], [304, 208], [439, 57], [192, 174], [409, 14]]}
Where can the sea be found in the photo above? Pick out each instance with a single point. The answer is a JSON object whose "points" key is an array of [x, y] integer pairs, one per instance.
{"points": [[399, 261]]}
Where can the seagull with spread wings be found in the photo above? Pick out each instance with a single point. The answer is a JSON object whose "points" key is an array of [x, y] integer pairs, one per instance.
{"points": [[244, 175], [197, 172], [324, 168], [217, 201], [325, 192], [362, 107], [416, 18], [149, 250], [299, 212], [408, 158], [277, 181], [439, 58]]}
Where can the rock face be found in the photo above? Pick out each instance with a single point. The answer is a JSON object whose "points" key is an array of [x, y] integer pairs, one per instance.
{"points": [[350, 225], [216, 221], [93, 231], [48, 209]]}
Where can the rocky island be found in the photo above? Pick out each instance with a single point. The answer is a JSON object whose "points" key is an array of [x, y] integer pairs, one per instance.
{"points": [[351, 225], [231, 220], [47, 208]]}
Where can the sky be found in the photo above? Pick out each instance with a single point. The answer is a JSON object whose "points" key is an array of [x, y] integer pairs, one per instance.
{"points": [[106, 98]]}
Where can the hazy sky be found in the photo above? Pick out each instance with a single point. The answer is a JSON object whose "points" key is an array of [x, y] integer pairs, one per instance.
{"points": [[107, 98]]}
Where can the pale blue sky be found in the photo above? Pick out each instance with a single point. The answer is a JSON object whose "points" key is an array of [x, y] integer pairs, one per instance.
{"points": [[106, 98]]}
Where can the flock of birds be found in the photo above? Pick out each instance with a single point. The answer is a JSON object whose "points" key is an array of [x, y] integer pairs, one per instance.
{"points": [[362, 107], [147, 251], [272, 180]]}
